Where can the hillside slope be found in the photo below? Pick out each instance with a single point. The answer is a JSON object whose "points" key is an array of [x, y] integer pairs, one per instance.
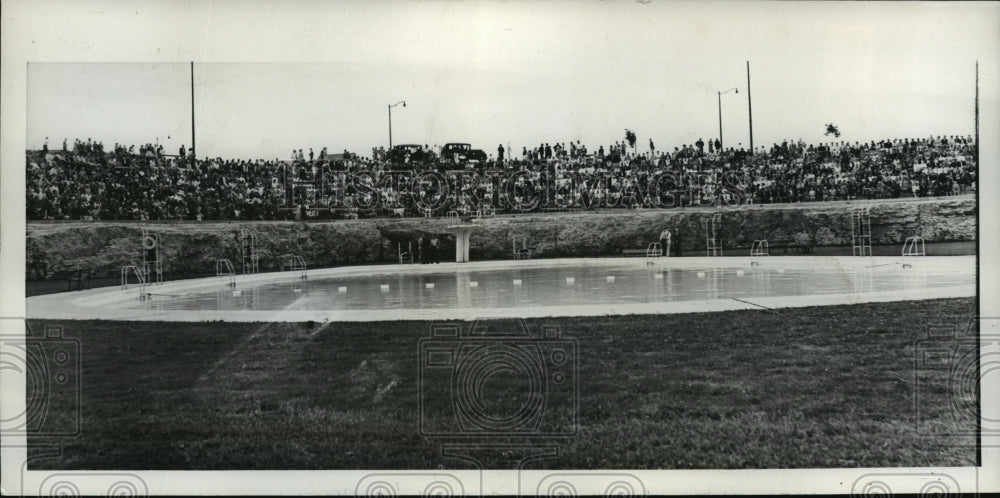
{"points": [[193, 247]]}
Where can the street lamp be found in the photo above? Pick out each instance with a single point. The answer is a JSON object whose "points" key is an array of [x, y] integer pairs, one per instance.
{"points": [[736, 90], [390, 120]]}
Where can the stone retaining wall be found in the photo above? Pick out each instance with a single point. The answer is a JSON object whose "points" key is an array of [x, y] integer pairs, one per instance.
{"points": [[193, 247]]}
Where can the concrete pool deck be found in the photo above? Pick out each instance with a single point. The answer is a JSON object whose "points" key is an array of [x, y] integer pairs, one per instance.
{"points": [[105, 303]]}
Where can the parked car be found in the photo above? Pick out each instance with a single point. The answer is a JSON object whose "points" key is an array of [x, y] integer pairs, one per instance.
{"points": [[461, 153], [411, 153]]}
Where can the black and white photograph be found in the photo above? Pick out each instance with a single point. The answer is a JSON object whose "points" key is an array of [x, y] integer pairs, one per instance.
{"points": [[499, 247]]}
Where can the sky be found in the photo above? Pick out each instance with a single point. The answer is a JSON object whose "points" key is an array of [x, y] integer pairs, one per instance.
{"points": [[524, 73]]}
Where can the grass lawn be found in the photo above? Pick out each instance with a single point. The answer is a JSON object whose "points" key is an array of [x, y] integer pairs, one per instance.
{"points": [[795, 388]]}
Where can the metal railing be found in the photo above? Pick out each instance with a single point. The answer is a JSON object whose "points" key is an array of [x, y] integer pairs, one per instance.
{"points": [[139, 278], [653, 250], [861, 232], [759, 248], [224, 268], [405, 257], [296, 263], [152, 267], [248, 252], [712, 242], [914, 246]]}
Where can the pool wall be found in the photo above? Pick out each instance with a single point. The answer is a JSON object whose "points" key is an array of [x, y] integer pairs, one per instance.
{"points": [[192, 247]]}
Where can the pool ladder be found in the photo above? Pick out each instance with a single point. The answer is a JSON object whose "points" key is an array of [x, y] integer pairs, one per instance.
{"points": [[141, 280], [224, 268], [152, 262], [248, 251], [914, 246], [405, 257], [861, 232], [296, 263], [653, 250], [759, 248], [712, 242]]}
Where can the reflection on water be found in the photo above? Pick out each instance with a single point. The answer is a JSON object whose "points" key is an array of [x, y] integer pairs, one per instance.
{"points": [[550, 287]]}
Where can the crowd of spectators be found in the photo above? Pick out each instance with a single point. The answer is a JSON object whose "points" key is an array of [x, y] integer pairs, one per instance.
{"points": [[87, 183]]}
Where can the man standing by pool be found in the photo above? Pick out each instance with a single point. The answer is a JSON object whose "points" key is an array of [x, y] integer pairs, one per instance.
{"points": [[665, 243], [435, 250]]}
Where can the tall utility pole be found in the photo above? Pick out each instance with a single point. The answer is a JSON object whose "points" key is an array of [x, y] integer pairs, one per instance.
{"points": [[750, 107], [977, 110], [192, 115]]}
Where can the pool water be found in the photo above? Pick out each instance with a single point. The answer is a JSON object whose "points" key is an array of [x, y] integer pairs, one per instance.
{"points": [[560, 286]]}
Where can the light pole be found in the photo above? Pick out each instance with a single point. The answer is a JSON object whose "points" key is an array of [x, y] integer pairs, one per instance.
{"points": [[749, 108], [720, 111], [193, 149], [390, 120]]}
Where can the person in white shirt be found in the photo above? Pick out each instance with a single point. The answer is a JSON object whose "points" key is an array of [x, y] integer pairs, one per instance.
{"points": [[665, 242]]}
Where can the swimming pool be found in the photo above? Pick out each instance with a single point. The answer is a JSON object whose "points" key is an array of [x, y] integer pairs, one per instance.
{"points": [[565, 287]]}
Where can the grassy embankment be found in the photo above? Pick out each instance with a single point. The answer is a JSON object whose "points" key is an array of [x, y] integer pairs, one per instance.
{"points": [[795, 388]]}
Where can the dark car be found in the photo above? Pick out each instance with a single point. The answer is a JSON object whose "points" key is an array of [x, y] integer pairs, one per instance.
{"points": [[460, 153], [408, 153]]}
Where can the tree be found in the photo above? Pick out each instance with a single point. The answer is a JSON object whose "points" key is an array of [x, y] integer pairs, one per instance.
{"points": [[630, 136]]}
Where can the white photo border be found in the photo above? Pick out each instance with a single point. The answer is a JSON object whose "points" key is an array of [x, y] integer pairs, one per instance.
{"points": [[145, 31]]}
